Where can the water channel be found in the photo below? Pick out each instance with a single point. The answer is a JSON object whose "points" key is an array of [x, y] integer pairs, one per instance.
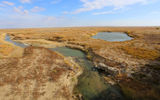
{"points": [[91, 83]]}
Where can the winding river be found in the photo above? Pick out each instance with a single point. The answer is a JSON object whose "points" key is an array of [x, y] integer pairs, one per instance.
{"points": [[91, 83]]}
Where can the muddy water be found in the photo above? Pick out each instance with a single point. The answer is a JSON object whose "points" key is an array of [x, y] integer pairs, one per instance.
{"points": [[112, 36], [91, 84]]}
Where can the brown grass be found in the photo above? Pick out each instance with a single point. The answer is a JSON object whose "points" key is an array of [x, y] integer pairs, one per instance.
{"points": [[145, 44], [141, 53], [56, 73], [8, 49], [33, 73], [135, 90], [5, 49]]}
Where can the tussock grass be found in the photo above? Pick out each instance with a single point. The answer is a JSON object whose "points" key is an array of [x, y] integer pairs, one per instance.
{"points": [[134, 90], [141, 53]]}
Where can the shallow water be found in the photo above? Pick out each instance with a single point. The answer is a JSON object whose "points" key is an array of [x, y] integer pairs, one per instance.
{"points": [[69, 52], [7, 38], [91, 84], [112, 36]]}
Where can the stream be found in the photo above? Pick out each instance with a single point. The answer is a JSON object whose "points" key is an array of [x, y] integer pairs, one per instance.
{"points": [[91, 83]]}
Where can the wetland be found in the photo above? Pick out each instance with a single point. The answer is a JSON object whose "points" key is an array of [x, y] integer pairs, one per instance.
{"points": [[123, 67]]}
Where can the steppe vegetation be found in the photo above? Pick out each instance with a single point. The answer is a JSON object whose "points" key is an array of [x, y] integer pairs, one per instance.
{"points": [[7, 49], [137, 60], [38, 75]]}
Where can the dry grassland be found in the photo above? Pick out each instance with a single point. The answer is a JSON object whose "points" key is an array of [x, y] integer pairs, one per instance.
{"points": [[140, 55]]}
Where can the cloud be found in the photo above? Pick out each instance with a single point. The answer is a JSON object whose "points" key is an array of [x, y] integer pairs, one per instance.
{"points": [[8, 3], [89, 5], [31, 20], [55, 1], [37, 9], [20, 10], [25, 1], [114, 11], [104, 13], [21, 17]]}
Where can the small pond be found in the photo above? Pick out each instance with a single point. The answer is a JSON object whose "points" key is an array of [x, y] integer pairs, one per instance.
{"points": [[112, 36]]}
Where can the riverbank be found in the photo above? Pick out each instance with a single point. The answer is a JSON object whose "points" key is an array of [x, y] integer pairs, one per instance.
{"points": [[40, 74], [8, 49]]}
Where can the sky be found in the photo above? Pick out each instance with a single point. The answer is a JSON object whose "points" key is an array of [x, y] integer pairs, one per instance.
{"points": [[72, 13]]}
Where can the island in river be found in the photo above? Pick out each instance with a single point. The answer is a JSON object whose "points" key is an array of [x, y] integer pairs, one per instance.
{"points": [[127, 69]]}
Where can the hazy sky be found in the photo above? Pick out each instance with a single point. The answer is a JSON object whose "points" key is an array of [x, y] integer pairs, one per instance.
{"points": [[63, 13]]}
